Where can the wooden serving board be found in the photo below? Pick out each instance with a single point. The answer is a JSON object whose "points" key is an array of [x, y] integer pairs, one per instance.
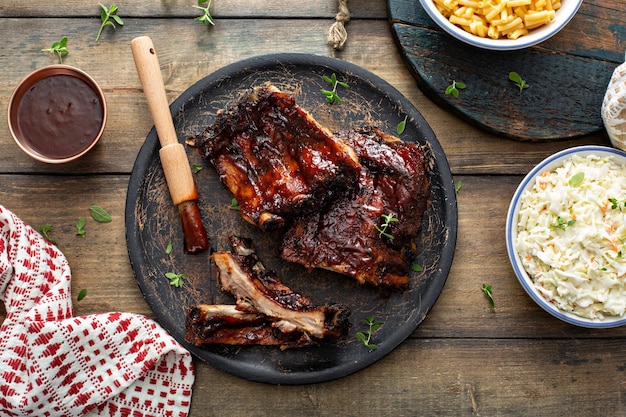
{"points": [[568, 74]]}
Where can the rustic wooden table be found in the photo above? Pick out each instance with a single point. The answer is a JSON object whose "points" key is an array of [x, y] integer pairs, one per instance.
{"points": [[464, 359]]}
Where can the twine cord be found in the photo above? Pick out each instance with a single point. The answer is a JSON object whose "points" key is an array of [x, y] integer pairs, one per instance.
{"points": [[337, 34]]}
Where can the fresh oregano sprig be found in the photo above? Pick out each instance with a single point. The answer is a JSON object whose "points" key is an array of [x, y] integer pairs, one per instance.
{"points": [[234, 204], [176, 280], [331, 95], [59, 48], [206, 14], [80, 226], [106, 16], [489, 294], [576, 179], [82, 294], [45, 232], [365, 336], [562, 224], [99, 214], [617, 204], [387, 220], [453, 89], [402, 125], [517, 79]]}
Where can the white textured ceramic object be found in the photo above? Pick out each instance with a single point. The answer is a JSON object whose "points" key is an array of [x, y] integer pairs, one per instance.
{"points": [[614, 108]]}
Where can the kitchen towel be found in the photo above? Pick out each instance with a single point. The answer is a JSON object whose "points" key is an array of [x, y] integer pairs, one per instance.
{"points": [[55, 364]]}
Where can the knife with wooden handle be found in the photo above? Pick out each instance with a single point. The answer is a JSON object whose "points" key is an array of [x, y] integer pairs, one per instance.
{"points": [[172, 153]]}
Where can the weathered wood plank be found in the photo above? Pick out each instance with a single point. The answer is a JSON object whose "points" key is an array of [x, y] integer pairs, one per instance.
{"points": [[191, 52], [444, 377], [99, 261], [221, 9]]}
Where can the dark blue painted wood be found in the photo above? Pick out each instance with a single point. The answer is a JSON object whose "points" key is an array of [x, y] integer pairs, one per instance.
{"points": [[568, 74]]}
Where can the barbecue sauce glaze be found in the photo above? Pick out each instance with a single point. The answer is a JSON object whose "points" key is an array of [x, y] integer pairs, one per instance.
{"points": [[60, 116]]}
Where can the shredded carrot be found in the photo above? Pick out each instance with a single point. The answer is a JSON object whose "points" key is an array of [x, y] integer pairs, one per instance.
{"points": [[614, 245], [605, 208]]}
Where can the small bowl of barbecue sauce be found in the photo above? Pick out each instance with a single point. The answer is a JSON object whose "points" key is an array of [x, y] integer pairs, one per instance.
{"points": [[57, 114]]}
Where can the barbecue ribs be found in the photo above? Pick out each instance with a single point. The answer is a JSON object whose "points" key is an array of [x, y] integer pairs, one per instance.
{"points": [[347, 235], [267, 312], [275, 158], [329, 193]]}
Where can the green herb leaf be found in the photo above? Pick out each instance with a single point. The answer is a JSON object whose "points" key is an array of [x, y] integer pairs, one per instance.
{"points": [[453, 89], [417, 268], [387, 220], [615, 203], [82, 294], [576, 179], [105, 17], [168, 249], [234, 205], [99, 214], [45, 232], [517, 79], [457, 187], [176, 280], [59, 48], [80, 226], [562, 224], [402, 126], [196, 168], [206, 14], [331, 95], [365, 336], [489, 294]]}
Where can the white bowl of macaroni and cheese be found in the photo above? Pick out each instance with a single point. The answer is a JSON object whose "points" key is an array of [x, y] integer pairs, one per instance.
{"points": [[501, 25], [566, 235]]}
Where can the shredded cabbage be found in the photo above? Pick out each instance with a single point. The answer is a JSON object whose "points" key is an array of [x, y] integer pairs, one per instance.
{"points": [[572, 236]]}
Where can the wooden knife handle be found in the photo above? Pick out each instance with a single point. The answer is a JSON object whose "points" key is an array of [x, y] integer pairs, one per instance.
{"points": [[174, 160], [173, 156], [149, 72]]}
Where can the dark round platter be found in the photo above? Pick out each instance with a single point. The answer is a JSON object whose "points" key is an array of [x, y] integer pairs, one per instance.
{"points": [[152, 222]]}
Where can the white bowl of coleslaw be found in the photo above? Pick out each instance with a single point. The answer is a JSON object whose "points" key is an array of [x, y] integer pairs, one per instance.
{"points": [[566, 235], [489, 24]]}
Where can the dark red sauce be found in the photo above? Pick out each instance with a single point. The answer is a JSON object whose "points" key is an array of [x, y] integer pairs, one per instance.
{"points": [[60, 116]]}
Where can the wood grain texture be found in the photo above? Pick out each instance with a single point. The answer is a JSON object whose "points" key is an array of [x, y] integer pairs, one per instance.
{"points": [[222, 9], [567, 74], [193, 51], [514, 361], [463, 360]]}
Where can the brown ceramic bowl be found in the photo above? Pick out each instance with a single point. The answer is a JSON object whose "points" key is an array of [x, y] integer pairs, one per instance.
{"points": [[57, 114]]}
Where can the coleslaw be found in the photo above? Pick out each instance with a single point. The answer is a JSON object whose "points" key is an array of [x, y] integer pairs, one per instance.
{"points": [[571, 236]]}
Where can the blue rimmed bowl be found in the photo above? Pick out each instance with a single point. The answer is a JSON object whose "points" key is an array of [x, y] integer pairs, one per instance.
{"points": [[535, 36], [511, 233]]}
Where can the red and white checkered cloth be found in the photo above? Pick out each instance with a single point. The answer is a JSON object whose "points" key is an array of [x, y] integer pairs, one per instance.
{"points": [[55, 364]]}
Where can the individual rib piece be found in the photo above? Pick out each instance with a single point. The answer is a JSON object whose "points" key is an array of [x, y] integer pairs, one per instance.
{"points": [[224, 324], [275, 158], [343, 235], [266, 311]]}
